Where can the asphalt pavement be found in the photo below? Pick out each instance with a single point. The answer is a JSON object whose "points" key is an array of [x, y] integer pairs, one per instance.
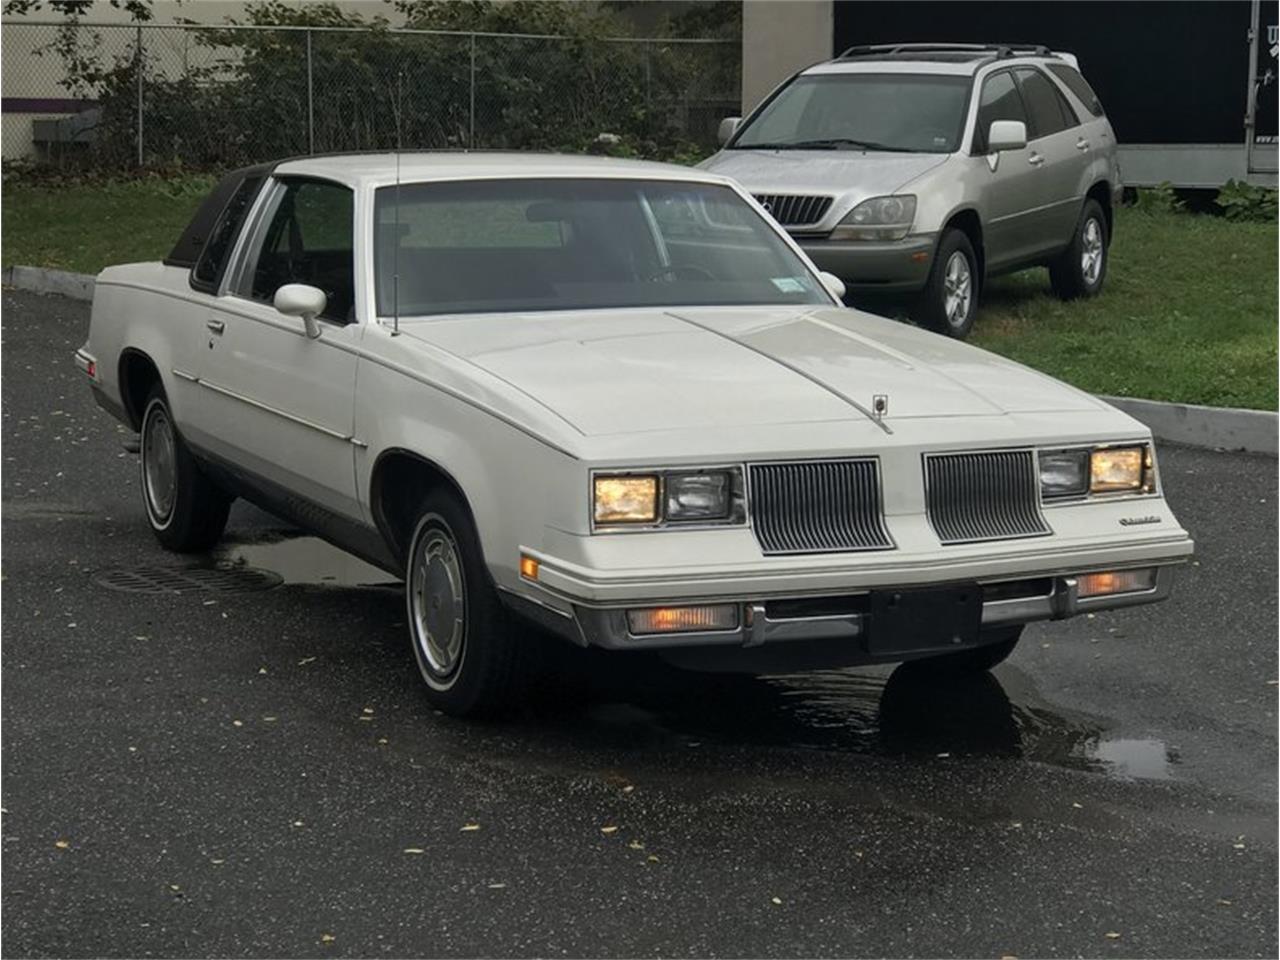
{"points": [[248, 767]]}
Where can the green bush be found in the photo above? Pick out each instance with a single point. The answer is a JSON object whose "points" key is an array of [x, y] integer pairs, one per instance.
{"points": [[1243, 201], [1159, 199]]}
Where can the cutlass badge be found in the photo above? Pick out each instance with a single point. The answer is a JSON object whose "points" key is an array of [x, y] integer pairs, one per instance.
{"points": [[1138, 521]]}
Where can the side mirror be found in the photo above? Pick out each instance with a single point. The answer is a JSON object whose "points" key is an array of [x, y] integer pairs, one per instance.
{"points": [[834, 285], [1006, 135], [302, 300], [728, 127]]}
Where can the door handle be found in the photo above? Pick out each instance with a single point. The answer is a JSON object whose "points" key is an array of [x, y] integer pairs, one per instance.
{"points": [[1035, 159], [216, 326], [1082, 144]]}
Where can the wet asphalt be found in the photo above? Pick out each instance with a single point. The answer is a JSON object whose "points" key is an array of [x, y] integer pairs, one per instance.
{"points": [[215, 774]]}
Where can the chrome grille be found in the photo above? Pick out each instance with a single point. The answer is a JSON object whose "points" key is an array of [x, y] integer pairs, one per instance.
{"points": [[817, 506], [983, 496], [794, 211]]}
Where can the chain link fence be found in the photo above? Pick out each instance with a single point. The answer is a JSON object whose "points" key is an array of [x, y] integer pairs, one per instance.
{"points": [[111, 98]]}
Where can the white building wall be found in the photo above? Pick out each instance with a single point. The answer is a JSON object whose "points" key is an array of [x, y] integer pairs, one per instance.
{"points": [[780, 37]]}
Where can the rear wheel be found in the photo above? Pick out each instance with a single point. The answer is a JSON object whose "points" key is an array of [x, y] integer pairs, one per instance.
{"points": [[949, 302], [1082, 267], [186, 510], [470, 654], [1002, 642]]}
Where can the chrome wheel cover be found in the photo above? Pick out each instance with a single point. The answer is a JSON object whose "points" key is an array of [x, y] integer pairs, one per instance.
{"points": [[437, 594], [957, 289], [1092, 250], [159, 463]]}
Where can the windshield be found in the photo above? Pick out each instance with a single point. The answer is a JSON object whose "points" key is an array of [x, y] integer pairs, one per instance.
{"points": [[558, 244], [862, 111]]}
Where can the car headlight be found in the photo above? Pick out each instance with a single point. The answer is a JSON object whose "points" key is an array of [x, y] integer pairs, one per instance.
{"points": [[1064, 473], [626, 499], [880, 218], [1096, 470], [1116, 469], [669, 497]]}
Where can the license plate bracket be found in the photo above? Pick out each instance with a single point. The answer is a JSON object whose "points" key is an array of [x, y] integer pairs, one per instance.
{"points": [[924, 619]]}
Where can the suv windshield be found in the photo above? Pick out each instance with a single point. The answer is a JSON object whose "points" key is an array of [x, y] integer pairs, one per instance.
{"points": [[558, 244], [861, 111]]}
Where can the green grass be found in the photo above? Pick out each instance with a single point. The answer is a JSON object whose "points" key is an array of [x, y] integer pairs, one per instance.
{"points": [[84, 227], [1188, 313]]}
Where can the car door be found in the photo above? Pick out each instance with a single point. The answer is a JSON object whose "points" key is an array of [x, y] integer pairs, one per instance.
{"points": [[277, 404], [1008, 181], [1060, 151]]}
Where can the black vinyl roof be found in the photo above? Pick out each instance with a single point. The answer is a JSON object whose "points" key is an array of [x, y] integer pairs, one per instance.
{"points": [[186, 251]]}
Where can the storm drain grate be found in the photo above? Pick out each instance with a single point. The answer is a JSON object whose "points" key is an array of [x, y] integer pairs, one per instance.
{"points": [[188, 580]]}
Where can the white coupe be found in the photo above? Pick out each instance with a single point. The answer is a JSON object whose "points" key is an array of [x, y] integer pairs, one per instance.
{"points": [[616, 400]]}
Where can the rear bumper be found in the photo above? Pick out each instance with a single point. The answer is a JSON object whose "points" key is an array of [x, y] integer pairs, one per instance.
{"points": [[894, 267]]}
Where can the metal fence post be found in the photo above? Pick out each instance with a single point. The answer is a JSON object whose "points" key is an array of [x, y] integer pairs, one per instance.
{"points": [[471, 134], [138, 59], [311, 101]]}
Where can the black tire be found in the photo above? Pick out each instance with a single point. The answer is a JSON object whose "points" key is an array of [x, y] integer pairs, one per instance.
{"points": [[186, 510], [483, 667], [995, 649], [933, 310], [1071, 275]]}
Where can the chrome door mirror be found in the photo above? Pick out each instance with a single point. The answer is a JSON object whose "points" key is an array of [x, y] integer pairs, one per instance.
{"points": [[302, 300], [1006, 135], [728, 127], [834, 285]]}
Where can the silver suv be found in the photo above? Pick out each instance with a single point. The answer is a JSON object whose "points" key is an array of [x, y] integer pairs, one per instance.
{"points": [[925, 168]]}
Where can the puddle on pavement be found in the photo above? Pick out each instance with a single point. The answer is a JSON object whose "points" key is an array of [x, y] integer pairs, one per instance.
{"points": [[305, 560], [872, 710]]}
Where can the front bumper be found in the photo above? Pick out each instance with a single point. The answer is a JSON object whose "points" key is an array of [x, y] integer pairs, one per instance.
{"points": [[867, 267], [846, 617]]}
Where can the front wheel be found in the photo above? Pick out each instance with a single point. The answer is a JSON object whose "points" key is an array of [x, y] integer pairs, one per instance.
{"points": [[463, 638], [997, 646], [186, 510], [1082, 267], [949, 302]]}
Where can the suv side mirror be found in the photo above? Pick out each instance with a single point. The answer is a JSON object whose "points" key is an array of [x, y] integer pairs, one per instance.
{"points": [[1006, 135], [302, 300], [728, 127]]}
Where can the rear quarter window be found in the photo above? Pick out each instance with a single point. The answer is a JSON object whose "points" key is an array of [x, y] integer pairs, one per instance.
{"points": [[213, 257], [1079, 86]]}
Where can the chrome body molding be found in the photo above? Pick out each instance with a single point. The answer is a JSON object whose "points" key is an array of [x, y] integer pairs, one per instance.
{"points": [[276, 411]]}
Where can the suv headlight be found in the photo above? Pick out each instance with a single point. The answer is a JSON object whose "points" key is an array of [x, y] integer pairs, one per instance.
{"points": [[880, 218], [668, 498], [1097, 470]]}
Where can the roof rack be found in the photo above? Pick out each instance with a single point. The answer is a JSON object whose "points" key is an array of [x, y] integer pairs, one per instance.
{"points": [[998, 50]]}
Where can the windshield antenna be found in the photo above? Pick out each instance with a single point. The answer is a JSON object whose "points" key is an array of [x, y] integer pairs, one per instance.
{"points": [[395, 267]]}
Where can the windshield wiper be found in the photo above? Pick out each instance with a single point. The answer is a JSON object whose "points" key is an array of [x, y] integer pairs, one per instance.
{"points": [[831, 143]]}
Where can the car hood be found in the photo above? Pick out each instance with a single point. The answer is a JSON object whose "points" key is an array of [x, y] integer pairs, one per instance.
{"points": [[850, 175], [636, 370]]}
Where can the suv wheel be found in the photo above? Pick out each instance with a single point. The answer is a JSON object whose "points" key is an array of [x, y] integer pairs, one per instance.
{"points": [[949, 302], [187, 512], [1082, 267], [470, 654]]}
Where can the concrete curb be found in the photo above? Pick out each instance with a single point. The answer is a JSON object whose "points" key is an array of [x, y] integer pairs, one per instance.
{"points": [[1219, 428], [1222, 428], [77, 286]]}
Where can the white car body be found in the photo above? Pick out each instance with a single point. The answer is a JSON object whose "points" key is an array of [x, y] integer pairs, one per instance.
{"points": [[520, 410]]}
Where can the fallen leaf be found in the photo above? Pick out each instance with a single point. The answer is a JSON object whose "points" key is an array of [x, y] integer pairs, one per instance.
{"points": [[470, 827], [1224, 903], [1238, 846], [942, 756], [62, 844], [652, 858], [367, 710], [776, 900], [636, 845], [1112, 935], [237, 723], [305, 660], [497, 886], [327, 938], [262, 669], [609, 829], [297, 823], [1077, 806], [217, 861], [628, 788], [268, 719], [414, 850], [382, 740]]}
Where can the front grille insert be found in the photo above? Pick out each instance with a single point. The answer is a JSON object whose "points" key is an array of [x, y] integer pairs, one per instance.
{"points": [[993, 495], [817, 506], [794, 211]]}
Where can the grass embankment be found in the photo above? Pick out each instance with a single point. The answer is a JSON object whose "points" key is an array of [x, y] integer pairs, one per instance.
{"points": [[1188, 313]]}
